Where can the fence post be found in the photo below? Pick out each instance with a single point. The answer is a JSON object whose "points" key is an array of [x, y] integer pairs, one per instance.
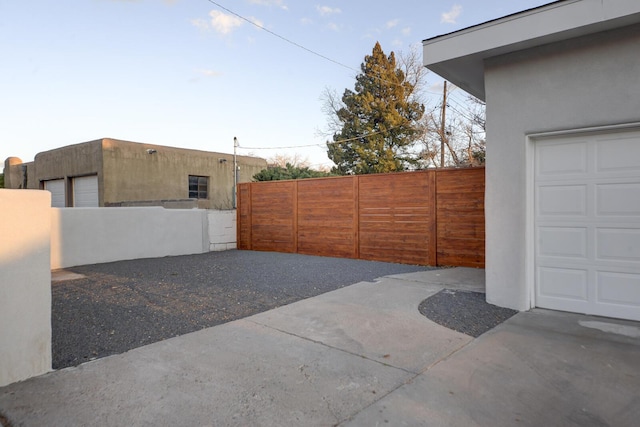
{"points": [[295, 216], [432, 195]]}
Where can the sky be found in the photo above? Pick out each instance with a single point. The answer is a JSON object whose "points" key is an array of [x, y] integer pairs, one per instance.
{"points": [[197, 73]]}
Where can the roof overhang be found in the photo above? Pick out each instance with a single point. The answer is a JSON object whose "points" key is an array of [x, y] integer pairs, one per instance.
{"points": [[459, 56]]}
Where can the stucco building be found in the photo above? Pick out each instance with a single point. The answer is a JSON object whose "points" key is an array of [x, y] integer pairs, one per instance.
{"points": [[562, 202], [110, 172]]}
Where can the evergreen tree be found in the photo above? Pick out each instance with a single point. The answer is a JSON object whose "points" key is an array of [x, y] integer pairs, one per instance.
{"points": [[378, 120]]}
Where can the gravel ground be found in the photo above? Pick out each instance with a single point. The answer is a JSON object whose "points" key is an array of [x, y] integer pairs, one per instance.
{"points": [[464, 311], [127, 304]]}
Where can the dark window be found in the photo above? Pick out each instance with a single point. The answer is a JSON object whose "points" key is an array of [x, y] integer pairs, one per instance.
{"points": [[198, 187]]}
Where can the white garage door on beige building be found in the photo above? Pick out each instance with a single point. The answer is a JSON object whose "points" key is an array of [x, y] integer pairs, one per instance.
{"points": [[587, 223], [56, 188], [85, 192]]}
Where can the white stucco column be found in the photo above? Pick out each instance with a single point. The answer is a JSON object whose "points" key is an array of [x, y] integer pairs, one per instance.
{"points": [[25, 284]]}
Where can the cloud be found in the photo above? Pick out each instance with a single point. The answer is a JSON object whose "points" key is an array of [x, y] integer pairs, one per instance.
{"points": [[306, 21], [451, 16], [223, 23], [392, 23], [326, 10], [167, 2], [200, 24], [333, 26], [220, 22], [208, 73], [406, 31], [278, 3], [202, 73]]}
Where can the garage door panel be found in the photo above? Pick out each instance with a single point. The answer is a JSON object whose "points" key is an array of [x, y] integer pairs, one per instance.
{"points": [[563, 283], [85, 192], [618, 199], [618, 244], [56, 188], [618, 288], [562, 242], [560, 200], [587, 225], [552, 159], [618, 154]]}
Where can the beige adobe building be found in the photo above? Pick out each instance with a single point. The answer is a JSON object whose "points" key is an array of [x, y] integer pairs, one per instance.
{"points": [[110, 172]]}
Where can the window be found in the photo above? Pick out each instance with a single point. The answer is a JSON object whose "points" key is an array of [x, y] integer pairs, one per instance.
{"points": [[198, 187]]}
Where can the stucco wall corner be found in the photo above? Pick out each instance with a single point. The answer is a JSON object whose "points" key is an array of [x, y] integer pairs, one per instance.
{"points": [[25, 285]]}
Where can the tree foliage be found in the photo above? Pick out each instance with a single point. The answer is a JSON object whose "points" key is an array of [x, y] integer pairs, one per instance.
{"points": [[378, 119], [289, 171], [1, 180]]}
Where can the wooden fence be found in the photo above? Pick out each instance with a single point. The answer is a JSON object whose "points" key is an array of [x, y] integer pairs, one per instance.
{"points": [[432, 217]]}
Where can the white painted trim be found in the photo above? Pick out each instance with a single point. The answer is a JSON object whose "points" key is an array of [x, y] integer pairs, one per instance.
{"points": [[590, 130], [530, 141], [530, 236]]}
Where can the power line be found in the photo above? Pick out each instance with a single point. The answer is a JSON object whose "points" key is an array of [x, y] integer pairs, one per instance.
{"points": [[281, 148], [327, 59], [282, 37], [298, 45], [460, 112], [462, 104], [319, 145]]}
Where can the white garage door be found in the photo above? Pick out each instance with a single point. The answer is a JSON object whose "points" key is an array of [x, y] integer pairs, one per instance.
{"points": [[587, 224], [85, 192], [56, 187]]}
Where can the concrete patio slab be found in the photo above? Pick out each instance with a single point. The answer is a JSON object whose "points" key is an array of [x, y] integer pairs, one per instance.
{"points": [[378, 321], [471, 279], [538, 368], [358, 356], [240, 373]]}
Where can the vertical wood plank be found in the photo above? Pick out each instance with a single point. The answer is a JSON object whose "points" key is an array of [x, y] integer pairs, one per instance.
{"points": [[239, 220], [356, 215], [249, 209]]}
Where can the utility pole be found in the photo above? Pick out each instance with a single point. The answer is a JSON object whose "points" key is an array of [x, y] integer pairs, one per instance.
{"points": [[235, 173], [442, 121]]}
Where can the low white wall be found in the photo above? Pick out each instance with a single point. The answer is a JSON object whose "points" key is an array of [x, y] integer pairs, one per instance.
{"points": [[36, 238], [82, 236], [222, 230], [25, 284]]}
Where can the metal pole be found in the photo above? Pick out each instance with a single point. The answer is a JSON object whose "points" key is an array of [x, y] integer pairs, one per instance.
{"points": [[442, 123], [235, 173]]}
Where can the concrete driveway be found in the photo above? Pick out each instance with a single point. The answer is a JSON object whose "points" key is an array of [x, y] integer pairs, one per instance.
{"points": [[358, 356]]}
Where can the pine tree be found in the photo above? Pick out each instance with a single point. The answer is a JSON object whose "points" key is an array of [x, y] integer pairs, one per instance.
{"points": [[378, 120]]}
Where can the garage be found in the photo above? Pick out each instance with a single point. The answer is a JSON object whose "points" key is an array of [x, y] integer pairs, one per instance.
{"points": [[85, 192], [587, 223], [56, 188]]}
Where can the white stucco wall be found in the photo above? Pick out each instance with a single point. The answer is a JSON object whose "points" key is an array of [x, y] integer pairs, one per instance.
{"points": [[25, 285], [82, 236], [588, 82], [222, 230]]}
